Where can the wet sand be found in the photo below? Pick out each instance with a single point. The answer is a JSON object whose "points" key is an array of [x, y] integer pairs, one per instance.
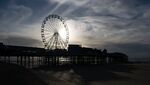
{"points": [[11, 74], [136, 74], [127, 74]]}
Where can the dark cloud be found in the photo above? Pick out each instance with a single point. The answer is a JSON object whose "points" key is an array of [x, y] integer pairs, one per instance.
{"points": [[134, 50], [20, 41], [12, 17], [4, 3], [40, 8]]}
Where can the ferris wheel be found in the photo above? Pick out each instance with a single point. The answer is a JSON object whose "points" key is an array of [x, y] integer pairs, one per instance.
{"points": [[54, 33]]}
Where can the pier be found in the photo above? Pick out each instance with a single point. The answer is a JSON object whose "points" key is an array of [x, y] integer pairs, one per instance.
{"points": [[75, 55]]}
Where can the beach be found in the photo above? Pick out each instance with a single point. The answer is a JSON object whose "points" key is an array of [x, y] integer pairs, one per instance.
{"points": [[125, 74]]}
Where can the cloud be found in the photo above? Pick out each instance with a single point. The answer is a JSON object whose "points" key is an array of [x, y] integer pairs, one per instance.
{"points": [[134, 50], [13, 16], [92, 23], [109, 29], [20, 41]]}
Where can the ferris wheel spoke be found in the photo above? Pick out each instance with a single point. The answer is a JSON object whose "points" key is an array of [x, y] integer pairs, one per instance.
{"points": [[49, 22], [58, 27], [62, 44], [47, 37], [62, 41], [50, 41], [59, 24], [61, 38], [49, 45], [47, 33], [47, 30], [53, 44], [50, 38], [50, 27], [53, 25]]}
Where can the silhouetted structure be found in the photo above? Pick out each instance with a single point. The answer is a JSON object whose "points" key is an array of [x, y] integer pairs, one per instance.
{"points": [[76, 54]]}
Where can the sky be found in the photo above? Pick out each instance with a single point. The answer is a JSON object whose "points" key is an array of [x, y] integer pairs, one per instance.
{"points": [[117, 25]]}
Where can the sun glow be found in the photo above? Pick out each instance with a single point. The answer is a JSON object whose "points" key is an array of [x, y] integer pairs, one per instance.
{"points": [[74, 37], [62, 33]]}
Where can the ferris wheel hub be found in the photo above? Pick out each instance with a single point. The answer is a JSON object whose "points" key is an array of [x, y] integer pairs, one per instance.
{"points": [[56, 33]]}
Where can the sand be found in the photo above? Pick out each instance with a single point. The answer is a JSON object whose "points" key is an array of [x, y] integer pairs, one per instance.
{"points": [[138, 75], [127, 74], [11, 74]]}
